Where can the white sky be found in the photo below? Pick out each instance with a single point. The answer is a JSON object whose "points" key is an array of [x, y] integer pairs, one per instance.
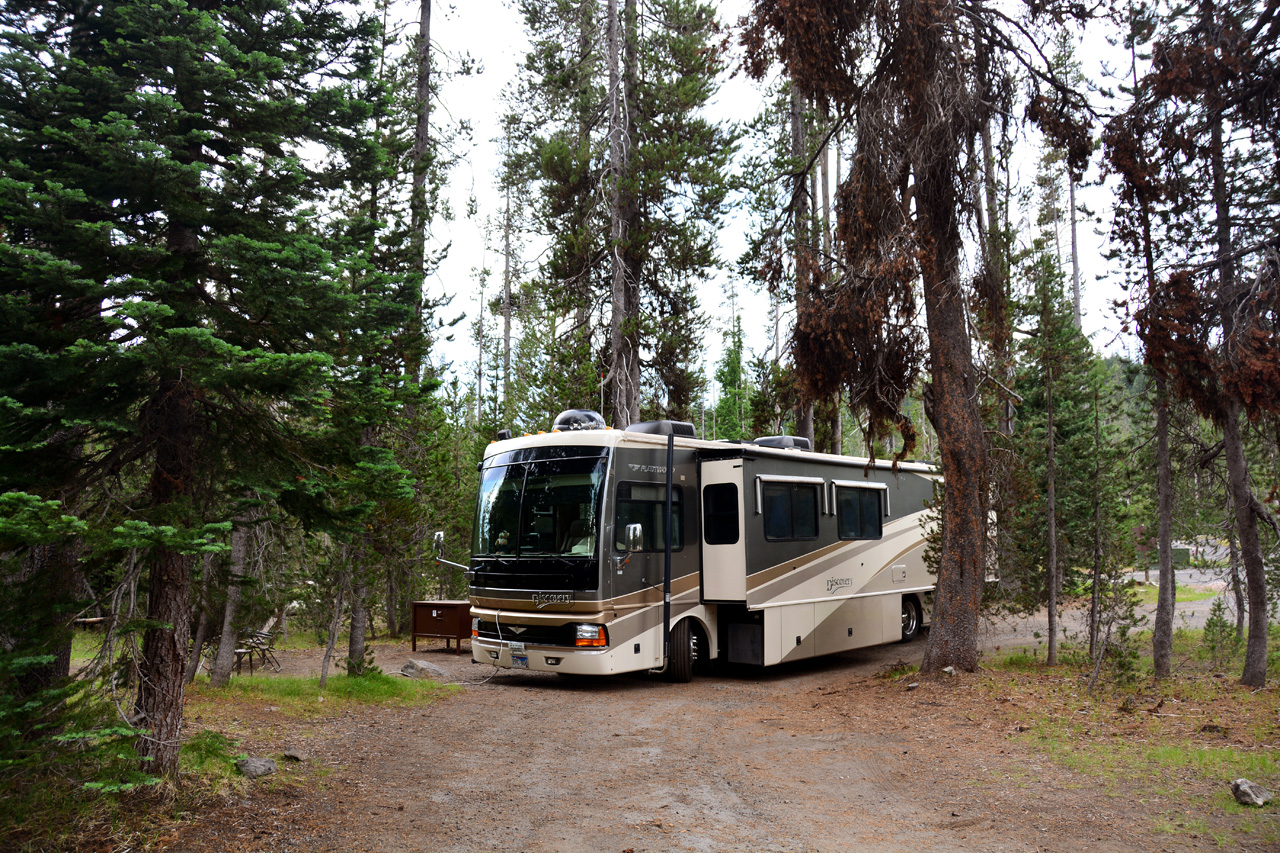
{"points": [[493, 33]]}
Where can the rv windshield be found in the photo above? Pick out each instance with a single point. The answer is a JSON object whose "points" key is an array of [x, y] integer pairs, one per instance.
{"points": [[540, 508]]}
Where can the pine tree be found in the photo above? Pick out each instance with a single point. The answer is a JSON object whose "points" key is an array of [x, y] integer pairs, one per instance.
{"points": [[631, 188], [179, 321], [733, 406], [1208, 326]]}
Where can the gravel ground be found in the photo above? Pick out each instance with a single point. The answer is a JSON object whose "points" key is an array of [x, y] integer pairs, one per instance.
{"points": [[821, 755]]}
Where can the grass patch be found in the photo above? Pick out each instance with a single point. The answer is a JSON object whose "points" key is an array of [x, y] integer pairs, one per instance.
{"points": [[1016, 660], [302, 697], [85, 645], [1149, 594], [897, 670]]}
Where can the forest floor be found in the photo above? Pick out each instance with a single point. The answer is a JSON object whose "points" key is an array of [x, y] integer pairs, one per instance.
{"points": [[848, 752]]}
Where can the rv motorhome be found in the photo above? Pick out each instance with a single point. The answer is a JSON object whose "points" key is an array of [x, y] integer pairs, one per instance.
{"points": [[594, 554]]}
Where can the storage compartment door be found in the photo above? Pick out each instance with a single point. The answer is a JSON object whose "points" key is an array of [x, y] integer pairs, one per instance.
{"points": [[788, 633], [724, 550]]}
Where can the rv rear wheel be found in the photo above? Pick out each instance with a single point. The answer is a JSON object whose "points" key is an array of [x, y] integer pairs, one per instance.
{"points": [[910, 619], [684, 653]]}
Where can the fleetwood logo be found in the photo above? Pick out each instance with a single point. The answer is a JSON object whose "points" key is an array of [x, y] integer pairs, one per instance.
{"points": [[542, 599], [838, 583]]}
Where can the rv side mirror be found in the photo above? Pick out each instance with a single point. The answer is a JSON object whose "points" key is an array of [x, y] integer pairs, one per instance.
{"points": [[437, 542], [635, 537]]}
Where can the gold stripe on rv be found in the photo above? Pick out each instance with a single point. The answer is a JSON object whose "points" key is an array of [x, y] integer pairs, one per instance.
{"points": [[595, 611], [815, 563]]}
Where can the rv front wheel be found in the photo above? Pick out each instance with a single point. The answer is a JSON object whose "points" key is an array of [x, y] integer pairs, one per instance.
{"points": [[910, 619], [684, 653]]}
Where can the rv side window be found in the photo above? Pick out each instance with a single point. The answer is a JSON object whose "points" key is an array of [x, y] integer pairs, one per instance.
{"points": [[646, 504], [720, 513], [790, 510], [859, 513]]}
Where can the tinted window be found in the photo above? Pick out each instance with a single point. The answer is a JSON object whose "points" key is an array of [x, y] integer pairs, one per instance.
{"points": [[858, 513], [790, 510], [646, 504], [720, 513]]}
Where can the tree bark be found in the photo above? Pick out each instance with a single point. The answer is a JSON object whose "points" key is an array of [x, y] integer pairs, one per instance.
{"points": [[1162, 633], [1051, 475], [506, 308], [1255, 577], [624, 332], [1255, 655], [202, 622], [421, 154], [1237, 589], [953, 639], [1075, 252], [803, 255], [1095, 592], [393, 599], [165, 646], [359, 617], [237, 574], [220, 672], [335, 623]]}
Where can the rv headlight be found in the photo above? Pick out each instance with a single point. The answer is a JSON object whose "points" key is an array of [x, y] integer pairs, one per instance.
{"points": [[590, 636], [475, 627]]}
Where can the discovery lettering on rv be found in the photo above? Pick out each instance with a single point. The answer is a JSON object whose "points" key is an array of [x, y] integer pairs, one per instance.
{"points": [[838, 583], [542, 599]]}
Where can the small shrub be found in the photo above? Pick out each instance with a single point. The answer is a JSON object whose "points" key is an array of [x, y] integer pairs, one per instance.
{"points": [[1218, 640]]}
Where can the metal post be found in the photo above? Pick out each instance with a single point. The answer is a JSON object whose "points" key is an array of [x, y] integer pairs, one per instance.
{"points": [[666, 559]]}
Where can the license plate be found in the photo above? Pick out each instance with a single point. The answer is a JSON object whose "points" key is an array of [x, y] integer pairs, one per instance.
{"points": [[520, 661]]}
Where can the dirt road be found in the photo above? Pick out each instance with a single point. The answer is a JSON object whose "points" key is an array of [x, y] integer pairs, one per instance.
{"points": [[818, 756]]}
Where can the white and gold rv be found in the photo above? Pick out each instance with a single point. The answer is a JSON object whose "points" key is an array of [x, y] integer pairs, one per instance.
{"points": [[773, 553]]}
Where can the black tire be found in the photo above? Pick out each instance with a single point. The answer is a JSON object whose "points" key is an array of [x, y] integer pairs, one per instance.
{"points": [[910, 619], [684, 653]]}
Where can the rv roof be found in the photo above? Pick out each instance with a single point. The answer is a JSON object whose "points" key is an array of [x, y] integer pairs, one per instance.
{"points": [[610, 437]]}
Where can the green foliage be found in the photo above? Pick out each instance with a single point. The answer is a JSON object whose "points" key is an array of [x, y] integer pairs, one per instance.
{"points": [[677, 181], [303, 697], [210, 753], [1119, 649], [732, 410], [1219, 640]]}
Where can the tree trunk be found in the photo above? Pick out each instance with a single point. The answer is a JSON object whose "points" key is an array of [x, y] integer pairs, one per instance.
{"points": [[158, 705], [1075, 252], [238, 572], [421, 161], [50, 579], [393, 600], [1097, 528], [624, 332], [953, 639], [359, 617], [1237, 589], [220, 672], [506, 309], [1255, 656], [803, 255], [824, 172], [202, 621], [335, 623], [1051, 476], [1162, 633]]}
